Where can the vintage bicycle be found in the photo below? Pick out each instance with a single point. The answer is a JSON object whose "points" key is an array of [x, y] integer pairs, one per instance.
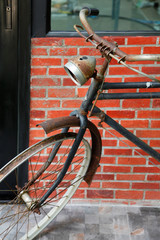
{"points": [[58, 164]]}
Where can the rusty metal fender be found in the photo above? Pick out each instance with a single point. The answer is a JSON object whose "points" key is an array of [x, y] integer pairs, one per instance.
{"points": [[72, 121]]}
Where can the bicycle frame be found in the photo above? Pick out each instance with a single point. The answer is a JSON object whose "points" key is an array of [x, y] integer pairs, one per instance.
{"points": [[112, 123], [83, 69], [108, 120], [87, 105]]}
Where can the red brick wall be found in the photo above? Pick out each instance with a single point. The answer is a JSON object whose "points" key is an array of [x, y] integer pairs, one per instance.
{"points": [[123, 176]]}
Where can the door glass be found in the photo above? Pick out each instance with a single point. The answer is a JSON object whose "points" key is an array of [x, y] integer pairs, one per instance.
{"points": [[115, 15]]}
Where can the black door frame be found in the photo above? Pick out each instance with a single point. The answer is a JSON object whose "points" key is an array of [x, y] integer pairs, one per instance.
{"points": [[15, 52]]}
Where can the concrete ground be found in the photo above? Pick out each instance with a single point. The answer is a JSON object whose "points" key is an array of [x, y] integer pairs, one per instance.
{"points": [[95, 222]]}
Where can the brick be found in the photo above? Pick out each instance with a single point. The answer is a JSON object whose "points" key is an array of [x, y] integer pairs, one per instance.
{"points": [[118, 151], [145, 170], [122, 91], [153, 177], [103, 177], [63, 51], [34, 122], [132, 161], [61, 93], [131, 50], [89, 51], [148, 114], [113, 79], [55, 113], [136, 103], [127, 143], [121, 71], [149, 90], [148, 133], [79, 194], [71, 103], [116, 169], [36, 133], [151, 70], [156, 103], [151, 50], [145, 185], [57, 71], [39, 51], [131, 177], [108, 103], [45, 81], [153, 162], [129, 194], [108, 160], [82, 92], [121, 114], [109, 142], [135, 79], [155, 143], [33, 141], [94, 184], [140, 152], [38, 71], [123, 185], [76, 42], [37, 114], [45, 103], [47, 41], [68, 82], [38, 93], [139, 40], [46, 61], [109, 133], [152, 195], [135, 123], [100, 194]]}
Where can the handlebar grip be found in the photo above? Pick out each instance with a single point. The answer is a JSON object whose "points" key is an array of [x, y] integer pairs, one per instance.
{"points": [[92, 11]]}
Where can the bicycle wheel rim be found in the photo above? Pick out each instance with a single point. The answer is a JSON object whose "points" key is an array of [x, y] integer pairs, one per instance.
{"points": [[52, 213]]}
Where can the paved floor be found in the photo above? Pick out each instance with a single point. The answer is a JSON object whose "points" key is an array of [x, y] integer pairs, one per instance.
{"points": [[104, 223]]}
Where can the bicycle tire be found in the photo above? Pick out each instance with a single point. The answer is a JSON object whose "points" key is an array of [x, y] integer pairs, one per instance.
{"points": [[17, 221]]}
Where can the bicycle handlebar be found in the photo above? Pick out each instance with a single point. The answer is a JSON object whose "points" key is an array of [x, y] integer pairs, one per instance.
{"points": [[109, 47]]}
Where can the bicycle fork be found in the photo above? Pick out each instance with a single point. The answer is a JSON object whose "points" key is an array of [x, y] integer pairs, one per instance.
{"points": [[34, 205]]}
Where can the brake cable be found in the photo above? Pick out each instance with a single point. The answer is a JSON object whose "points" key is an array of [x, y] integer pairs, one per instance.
{"points": [[107, 52]]}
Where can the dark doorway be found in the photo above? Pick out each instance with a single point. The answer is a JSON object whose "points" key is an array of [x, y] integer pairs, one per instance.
{"points": [[14, 81]]}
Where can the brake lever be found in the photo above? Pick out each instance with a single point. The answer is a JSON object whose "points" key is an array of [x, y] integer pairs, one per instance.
{"points": [[89, 38], [78, 31]]}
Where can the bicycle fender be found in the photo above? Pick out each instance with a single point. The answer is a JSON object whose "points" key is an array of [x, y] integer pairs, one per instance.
{"points": [[72, 121]]}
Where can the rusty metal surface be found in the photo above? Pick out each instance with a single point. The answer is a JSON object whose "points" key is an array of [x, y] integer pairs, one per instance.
{"points": [[73, 121], [113, 47], [57, 123], [96, 152], [22, 157], [85, 64]]}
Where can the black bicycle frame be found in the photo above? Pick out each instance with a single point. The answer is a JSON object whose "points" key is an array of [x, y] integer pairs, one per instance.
{"points": [[112, 123], [130, 85], [87, 105]]}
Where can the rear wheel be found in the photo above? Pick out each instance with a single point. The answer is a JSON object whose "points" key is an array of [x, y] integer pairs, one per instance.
{"points": [[23, 217]]}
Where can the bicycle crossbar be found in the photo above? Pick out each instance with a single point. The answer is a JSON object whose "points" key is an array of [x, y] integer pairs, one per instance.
{"points": [[127, 85], [130, 136], [126, 133], [105, 96]]}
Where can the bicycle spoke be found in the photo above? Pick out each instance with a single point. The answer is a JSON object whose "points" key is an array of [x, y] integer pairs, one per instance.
{"points": [[26, 217]]}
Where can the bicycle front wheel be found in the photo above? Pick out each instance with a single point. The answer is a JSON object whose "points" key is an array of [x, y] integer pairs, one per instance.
{"points": [[20, 218]]}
